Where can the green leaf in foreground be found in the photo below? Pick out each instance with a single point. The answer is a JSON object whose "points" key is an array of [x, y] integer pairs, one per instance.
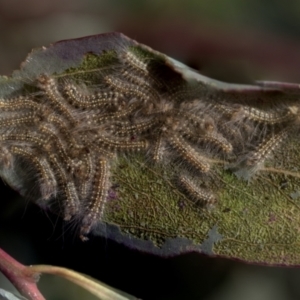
{"points": [[135, 146]]}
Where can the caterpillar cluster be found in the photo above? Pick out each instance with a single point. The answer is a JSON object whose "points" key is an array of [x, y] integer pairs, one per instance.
{"points": [[71, 133]]}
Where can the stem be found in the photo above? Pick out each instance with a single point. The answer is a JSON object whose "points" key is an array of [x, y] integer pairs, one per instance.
{"points": [[22, 277]]}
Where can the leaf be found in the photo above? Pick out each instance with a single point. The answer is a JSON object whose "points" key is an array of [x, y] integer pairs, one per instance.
{"points": [[87, 283], [6, 295], [135, 146], [25, 278]]}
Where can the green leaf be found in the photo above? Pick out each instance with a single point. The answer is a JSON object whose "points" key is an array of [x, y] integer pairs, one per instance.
{"points": [[227, 182]]}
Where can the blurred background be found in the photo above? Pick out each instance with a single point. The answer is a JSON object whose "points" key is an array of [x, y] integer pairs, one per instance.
{"points": [[230, 40]]}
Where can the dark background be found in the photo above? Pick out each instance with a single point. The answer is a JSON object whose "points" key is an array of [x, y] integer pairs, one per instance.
{"points": [[234, 41]]}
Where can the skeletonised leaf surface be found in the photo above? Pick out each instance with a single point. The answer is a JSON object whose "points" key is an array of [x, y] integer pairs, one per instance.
{"points": [[128, 143]]}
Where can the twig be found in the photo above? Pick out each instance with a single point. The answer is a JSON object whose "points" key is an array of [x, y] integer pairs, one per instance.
{"points": [[22, 277]]}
